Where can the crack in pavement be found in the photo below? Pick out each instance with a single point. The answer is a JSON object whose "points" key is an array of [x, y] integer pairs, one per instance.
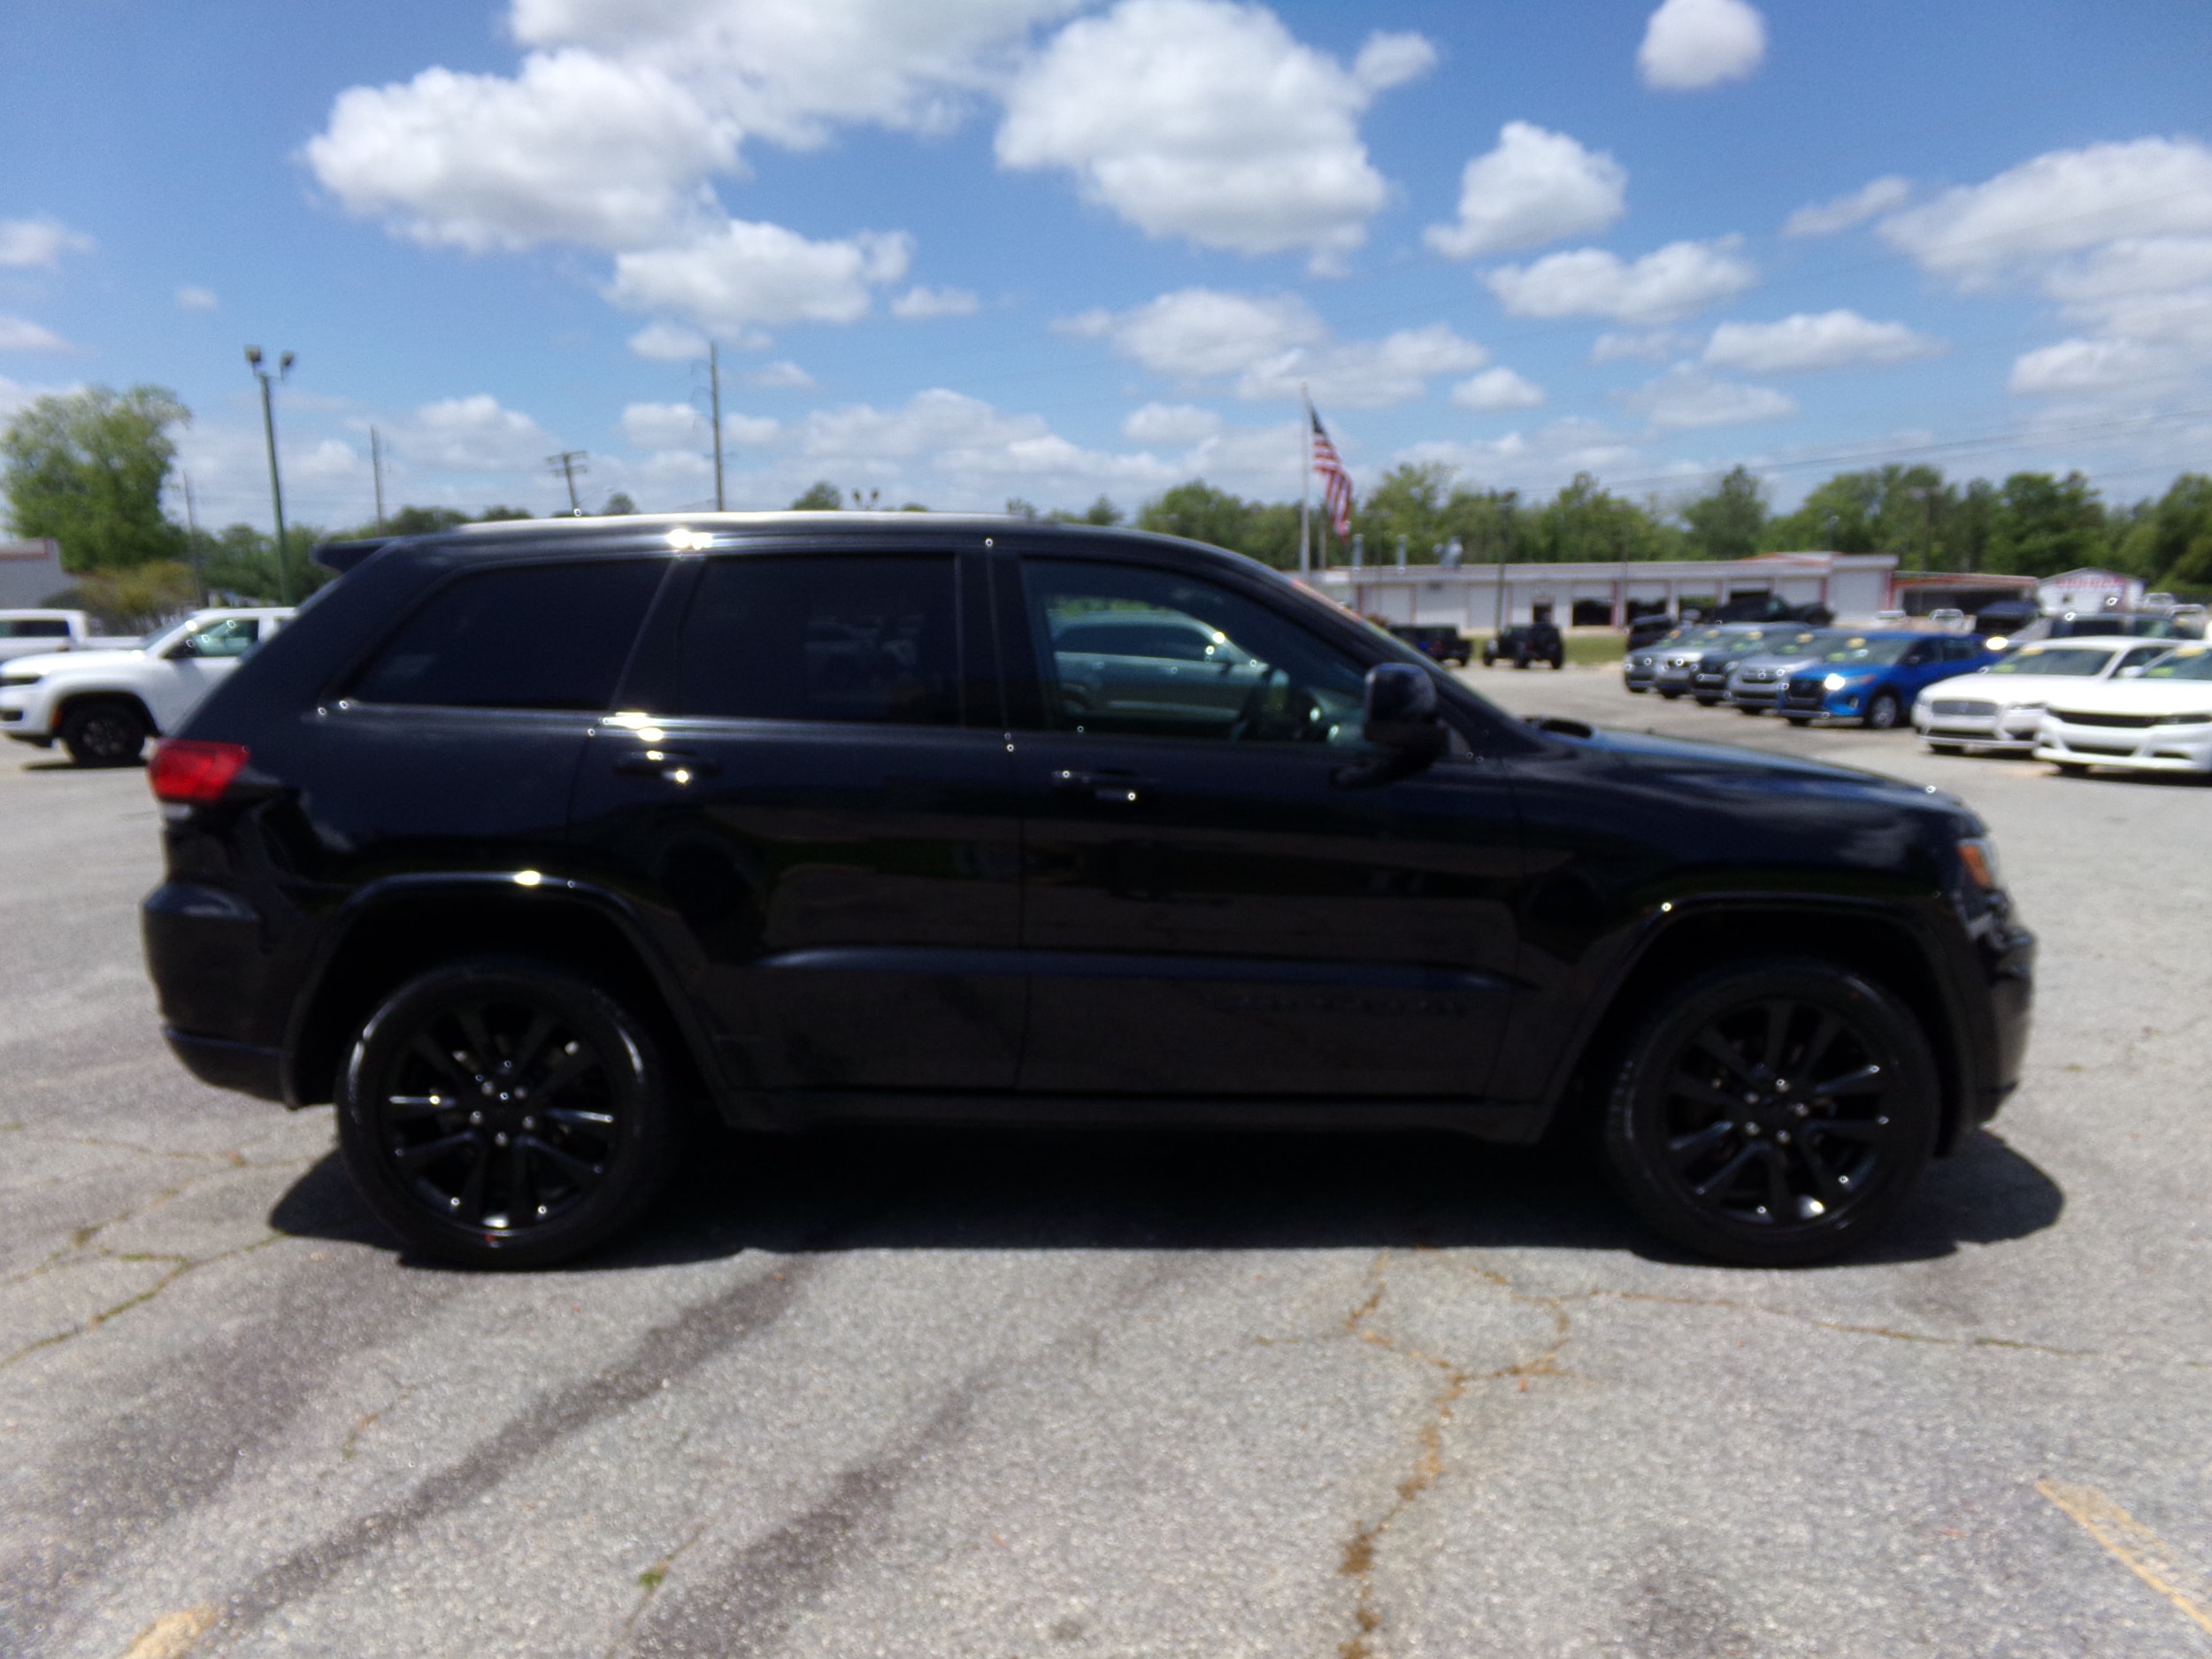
{"points": [[184, 1265], [1358, 1561]]}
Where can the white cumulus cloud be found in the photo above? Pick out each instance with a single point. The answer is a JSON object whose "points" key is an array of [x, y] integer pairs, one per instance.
{"points": [[1535, 187], [780, 376], [1495, 389], [1268, 346], [1171, 424], [475, 435], [1870, 201], [579, 148], [662, 425], [919, 303], [1685, 399], [2063, 203], [195, 299], [1208, 120], [2085, 365], [668, 342], [19, 333], [26, 243], [742, 274], [1679, 278], [1653, 345], [1830, 340], [1691, 44]]}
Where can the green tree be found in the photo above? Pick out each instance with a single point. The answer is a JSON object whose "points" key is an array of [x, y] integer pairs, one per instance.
{"points": [[419, 521], [1199, 513], [87, 468], [822, 497], [1099, 511], [2046, 525], [1725, 523], [619, 506], [1491, 526], [1586, 523], [240, 564], [503, 515], [2171, 542]]}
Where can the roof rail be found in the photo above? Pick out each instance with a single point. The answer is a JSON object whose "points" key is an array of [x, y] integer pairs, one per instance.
{"points": [[343, 556]]}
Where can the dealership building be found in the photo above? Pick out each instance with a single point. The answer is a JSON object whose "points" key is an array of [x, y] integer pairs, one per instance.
{"points": [[1476, 598]]}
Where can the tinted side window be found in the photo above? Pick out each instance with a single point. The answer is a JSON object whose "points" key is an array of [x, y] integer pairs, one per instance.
{"points": [[871, 640], [1249, 675], [34, 628], [533, 636]]}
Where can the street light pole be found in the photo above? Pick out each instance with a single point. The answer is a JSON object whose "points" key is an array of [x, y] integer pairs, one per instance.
{"points": [[276, 483]]}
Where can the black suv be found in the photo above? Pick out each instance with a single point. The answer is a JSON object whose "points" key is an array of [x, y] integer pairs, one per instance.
{"points": [[1524, 643], [525, 842]]}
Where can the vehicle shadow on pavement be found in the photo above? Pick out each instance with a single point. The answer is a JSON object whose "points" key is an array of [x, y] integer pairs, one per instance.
{"points": [[1040, 1190]]}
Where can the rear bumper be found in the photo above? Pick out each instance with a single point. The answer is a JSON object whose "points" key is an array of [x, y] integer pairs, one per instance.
{"points": [[232, 1065]]}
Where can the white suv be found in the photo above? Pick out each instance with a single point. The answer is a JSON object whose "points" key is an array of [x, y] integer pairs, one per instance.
{"points": [[103, 705]]}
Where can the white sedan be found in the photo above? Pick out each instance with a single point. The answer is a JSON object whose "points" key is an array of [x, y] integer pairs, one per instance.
{"points": [[2000, 707], [2159, 721]]}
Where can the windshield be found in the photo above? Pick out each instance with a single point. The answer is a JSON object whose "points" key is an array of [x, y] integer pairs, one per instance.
{"points": [[2072, 664], [156, 643], [1797, 647], [1855, 650], [2182, 665]]}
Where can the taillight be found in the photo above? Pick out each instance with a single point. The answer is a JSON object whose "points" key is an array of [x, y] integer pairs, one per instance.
{"points": [[193, 774]]}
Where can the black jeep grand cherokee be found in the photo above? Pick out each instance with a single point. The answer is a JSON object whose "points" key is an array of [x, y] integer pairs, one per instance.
{"points": [[524, 840]]}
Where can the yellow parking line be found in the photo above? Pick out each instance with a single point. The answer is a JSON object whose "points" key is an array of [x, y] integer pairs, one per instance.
{"points": [[172, 1635], [2146, 1556]]}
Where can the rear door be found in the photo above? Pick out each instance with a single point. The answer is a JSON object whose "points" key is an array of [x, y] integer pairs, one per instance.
{"points": [[1209, 909], [809, 784]]}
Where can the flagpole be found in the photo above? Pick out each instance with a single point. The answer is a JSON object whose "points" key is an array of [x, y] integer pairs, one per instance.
{"points": [[1305, 481]]}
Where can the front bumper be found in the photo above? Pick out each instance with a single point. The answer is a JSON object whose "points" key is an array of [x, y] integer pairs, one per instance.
{"points": [[2182, 749], [27, 714]]}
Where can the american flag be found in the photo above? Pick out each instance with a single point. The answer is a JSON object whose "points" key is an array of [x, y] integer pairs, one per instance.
{"points": [[1336, 483]]}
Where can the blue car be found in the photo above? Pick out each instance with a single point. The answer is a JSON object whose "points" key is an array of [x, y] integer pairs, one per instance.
{"points": [[1873, 676]]}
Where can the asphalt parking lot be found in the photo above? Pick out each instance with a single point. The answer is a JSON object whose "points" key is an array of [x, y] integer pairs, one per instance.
{"points": [[999, 1396]]}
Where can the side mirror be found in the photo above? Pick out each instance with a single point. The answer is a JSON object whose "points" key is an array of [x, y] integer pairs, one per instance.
{"points": [[184, 648], [1401, 709]]}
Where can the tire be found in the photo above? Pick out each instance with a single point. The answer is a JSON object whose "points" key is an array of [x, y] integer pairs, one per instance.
{"points": [[1521, 659], [1489, 657], [2072, 768], [1558, 662], [1670, 696], [1710, 1139], [1885, 712], [105, 733], [460, 1181], [1709, 703], [1799, 720], [1745, 707], [1935, 747]]}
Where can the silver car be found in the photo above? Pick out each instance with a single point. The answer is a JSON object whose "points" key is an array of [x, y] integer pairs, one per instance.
{"points": [[1754, 684], [1677, 658]]}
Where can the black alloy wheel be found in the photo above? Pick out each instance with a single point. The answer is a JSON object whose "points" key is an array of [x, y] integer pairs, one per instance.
{"points": [[1773, 1113], [504, 1114], [1885, 711], [104, 734]]}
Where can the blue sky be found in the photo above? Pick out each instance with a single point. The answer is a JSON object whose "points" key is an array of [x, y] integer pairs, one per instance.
{"points": [[984, 249]]}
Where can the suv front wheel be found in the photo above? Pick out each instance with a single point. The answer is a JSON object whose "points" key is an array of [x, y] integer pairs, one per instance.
{"points": [[502, 1113], [1773, 1113]]}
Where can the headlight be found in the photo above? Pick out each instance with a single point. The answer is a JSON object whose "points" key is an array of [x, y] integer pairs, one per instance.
{"points": [[2027, 707], [1835, 682], [2184, 719], [1977, 857], [18, 680]]}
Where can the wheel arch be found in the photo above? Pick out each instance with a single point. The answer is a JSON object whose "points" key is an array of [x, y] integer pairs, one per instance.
{"points": [[392, 931], [1689, 938], [67, 703]]}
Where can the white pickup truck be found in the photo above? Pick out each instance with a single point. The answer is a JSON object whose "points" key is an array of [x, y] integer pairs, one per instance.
{"points": [[104, 704], [36, 632]]}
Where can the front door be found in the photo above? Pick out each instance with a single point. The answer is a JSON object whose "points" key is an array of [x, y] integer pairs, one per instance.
{"points": [[808, 781], [1210, 906]]}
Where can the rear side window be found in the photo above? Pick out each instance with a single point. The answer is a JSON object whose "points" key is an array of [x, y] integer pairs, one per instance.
{"points": [[34, 628], [533, 636], [862, 640]]}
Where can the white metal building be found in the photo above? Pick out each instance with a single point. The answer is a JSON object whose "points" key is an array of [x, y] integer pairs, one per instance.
{"points": [[30, 573], [1473, 598]]}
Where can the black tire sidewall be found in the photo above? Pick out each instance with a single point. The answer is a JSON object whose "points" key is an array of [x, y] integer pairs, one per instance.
{"points": [[1633, 1134], [75, 725], [643, 1159], [1885, 700]]}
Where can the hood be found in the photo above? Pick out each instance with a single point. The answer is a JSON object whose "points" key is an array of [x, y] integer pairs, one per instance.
{"points": [[2011, 688], [1787, 664], [53, 662], [2135, 697], [1729, 764]]}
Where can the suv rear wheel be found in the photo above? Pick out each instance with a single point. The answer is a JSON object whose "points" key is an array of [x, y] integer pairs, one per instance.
{"points": [[105, 733], [502, 1113], [1773, 1113]]}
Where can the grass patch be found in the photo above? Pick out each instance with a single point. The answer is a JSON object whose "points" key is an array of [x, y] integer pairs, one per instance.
{"points": [[1582, 648]]}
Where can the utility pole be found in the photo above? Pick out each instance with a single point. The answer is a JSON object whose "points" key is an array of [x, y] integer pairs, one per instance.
{"points": [[1305, 479], [192, 537], [714, 396], [568, 462], [276, 484], [376, 470]]}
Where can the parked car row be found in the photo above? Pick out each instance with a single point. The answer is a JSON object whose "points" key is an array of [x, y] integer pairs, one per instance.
{"points": [[2114, 700]]}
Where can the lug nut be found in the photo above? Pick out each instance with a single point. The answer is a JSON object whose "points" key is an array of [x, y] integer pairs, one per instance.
{"points": [[476, 1119]]}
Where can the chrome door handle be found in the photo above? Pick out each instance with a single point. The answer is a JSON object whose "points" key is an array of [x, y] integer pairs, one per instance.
{"points": [[677, 765], [1108, 788]]}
